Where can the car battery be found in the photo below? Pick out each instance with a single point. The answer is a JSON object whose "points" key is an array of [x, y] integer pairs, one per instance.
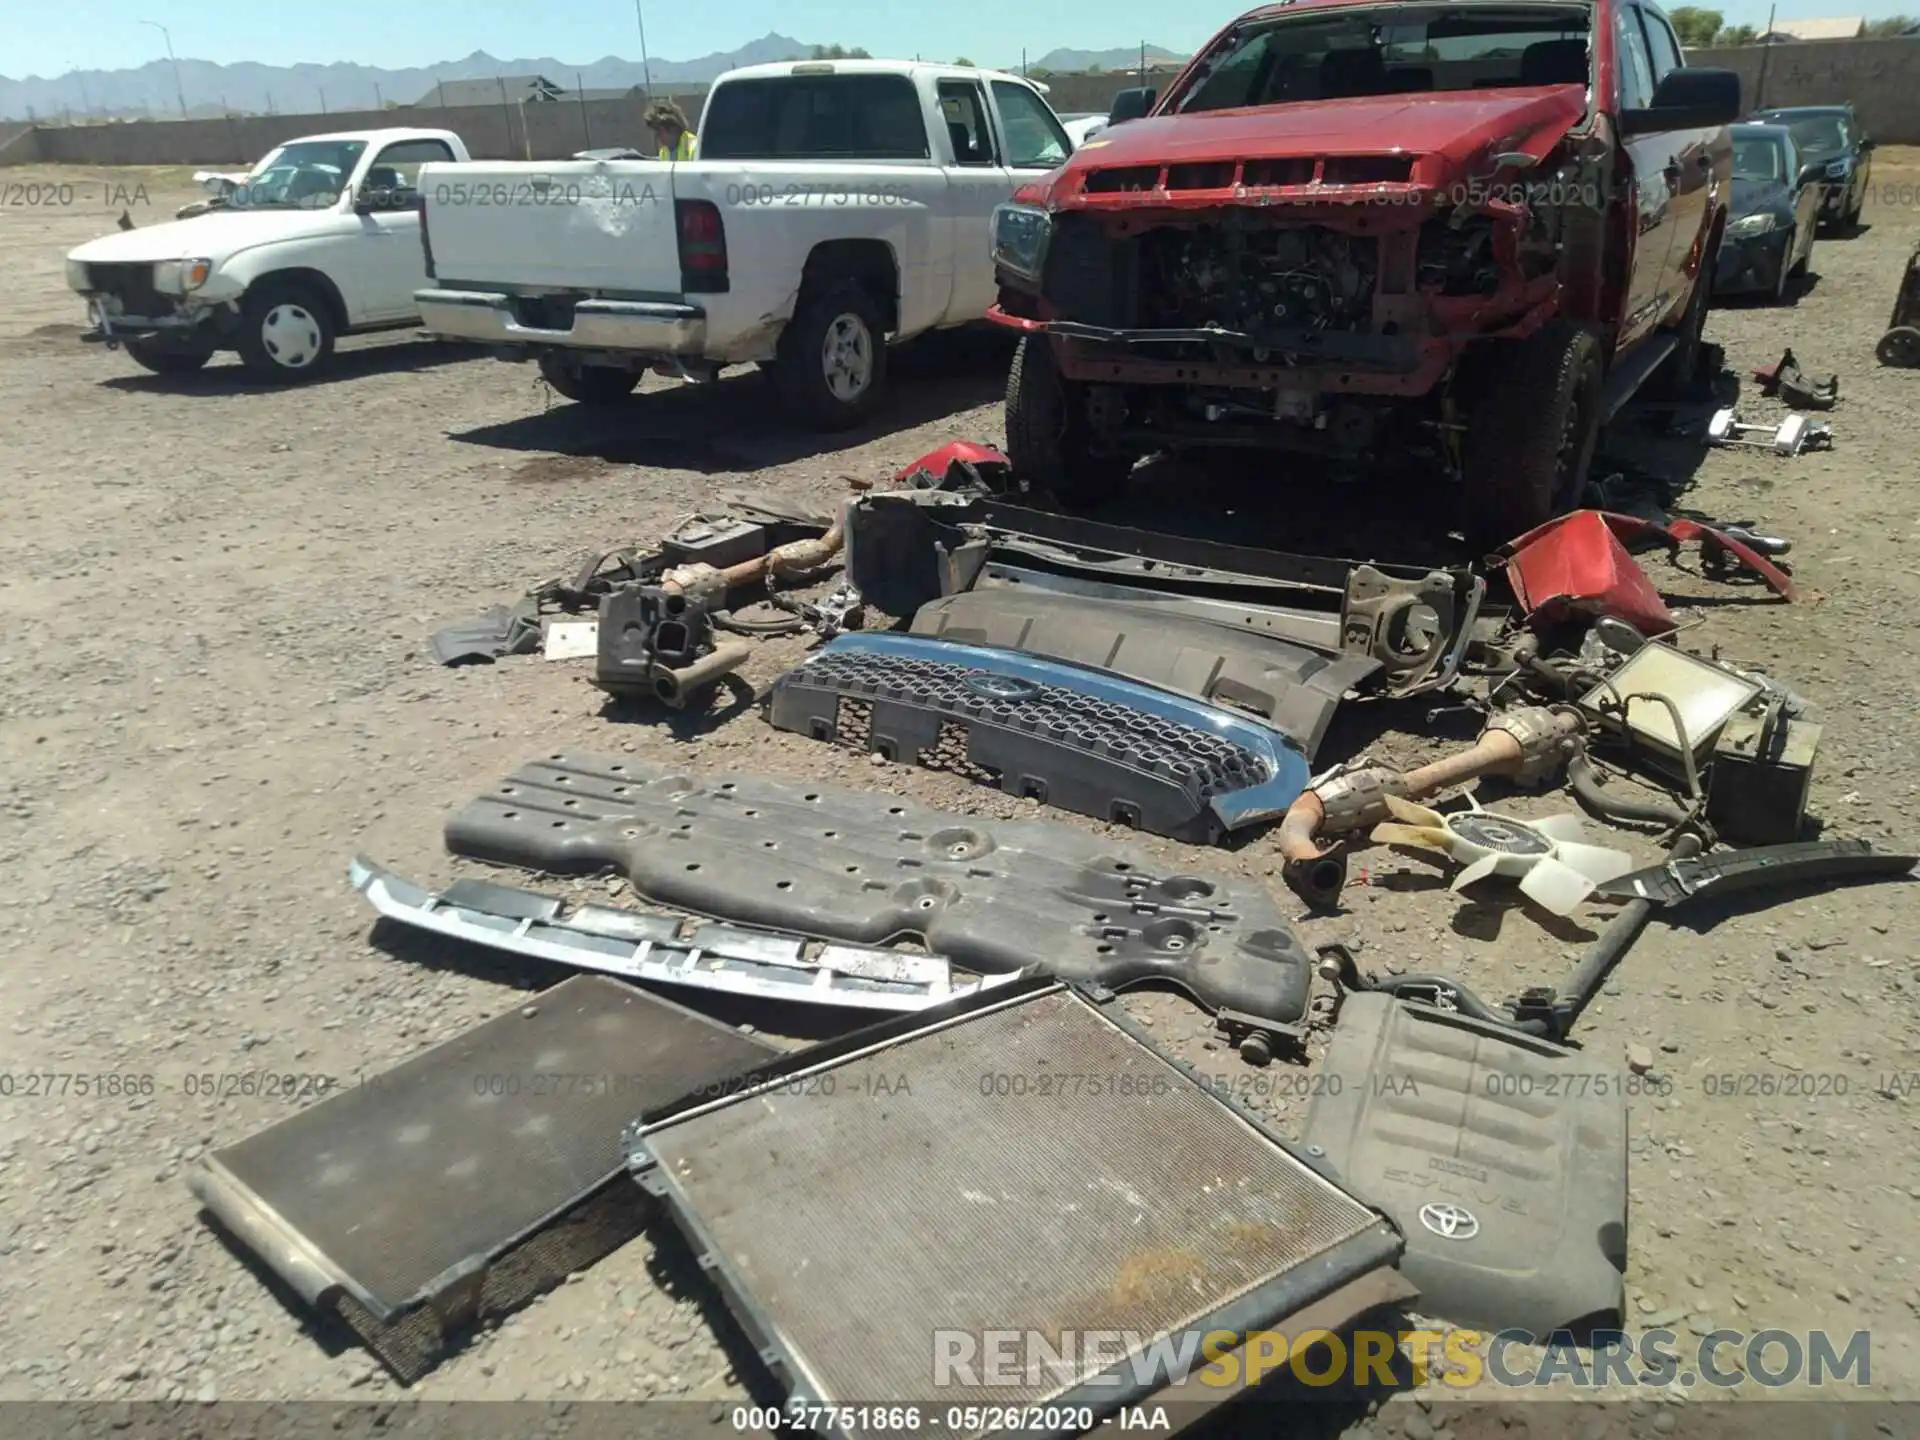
{"points": [[1762, 772], [719, 541]]}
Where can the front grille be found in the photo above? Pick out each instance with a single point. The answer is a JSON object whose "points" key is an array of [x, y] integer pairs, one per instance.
{"points": [[1263, 174], [1123, 178], [131, 285], [1367, 170]]}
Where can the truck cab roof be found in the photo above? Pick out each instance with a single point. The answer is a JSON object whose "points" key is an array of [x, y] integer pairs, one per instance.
{"points": [[376, 137], [914, 69]]}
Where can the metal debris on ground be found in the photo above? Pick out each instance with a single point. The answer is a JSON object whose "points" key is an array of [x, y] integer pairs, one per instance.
{"points": [[1791, 436]]}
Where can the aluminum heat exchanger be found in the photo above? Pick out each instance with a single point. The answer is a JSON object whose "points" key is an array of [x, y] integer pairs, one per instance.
{"points": [[1025, 1162], [472, 1176], [1067, 735]]}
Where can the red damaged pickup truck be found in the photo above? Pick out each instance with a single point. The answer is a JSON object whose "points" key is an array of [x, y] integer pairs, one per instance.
{"points": [[1364, 230]]}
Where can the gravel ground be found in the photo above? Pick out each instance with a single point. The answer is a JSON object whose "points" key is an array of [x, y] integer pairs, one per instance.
{"points": [[216, 689]]}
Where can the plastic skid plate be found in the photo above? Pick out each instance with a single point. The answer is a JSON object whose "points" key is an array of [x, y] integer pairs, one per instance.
{"points": [[990, 895], [1066, 735], [1502, 1159]]}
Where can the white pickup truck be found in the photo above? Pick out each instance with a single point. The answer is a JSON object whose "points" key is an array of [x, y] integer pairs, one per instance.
{"points": [[833, 204], [320, 239]]}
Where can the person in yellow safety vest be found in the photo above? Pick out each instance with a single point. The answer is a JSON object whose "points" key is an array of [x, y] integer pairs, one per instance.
{"points": [[670, 130]]}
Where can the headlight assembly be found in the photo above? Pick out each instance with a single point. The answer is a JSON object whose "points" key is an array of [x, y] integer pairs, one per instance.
{"points": [[181, 277], [1752, 225], [1838, 170], [1020, 239]]}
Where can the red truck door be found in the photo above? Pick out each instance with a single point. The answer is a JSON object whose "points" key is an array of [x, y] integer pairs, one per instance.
{"points": [[1688, 165], [1655, 164]]}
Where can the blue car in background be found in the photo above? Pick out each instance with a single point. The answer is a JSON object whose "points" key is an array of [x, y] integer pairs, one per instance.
{"points": [[1830, 136], [1773, 212]]}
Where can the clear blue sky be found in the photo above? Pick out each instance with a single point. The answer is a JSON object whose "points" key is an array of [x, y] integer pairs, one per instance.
{"points": [[108, 35]]}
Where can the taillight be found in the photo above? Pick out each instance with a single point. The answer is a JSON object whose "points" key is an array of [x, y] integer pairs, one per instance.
{"points": [[703, 247], [426, 245]]}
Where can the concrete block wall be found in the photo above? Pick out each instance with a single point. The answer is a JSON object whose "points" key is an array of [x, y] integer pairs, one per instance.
{"points": [[492, 132], [1880, 77]]}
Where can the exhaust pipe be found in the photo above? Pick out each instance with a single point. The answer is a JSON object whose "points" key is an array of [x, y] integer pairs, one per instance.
{"points": [[677, 687], [1525, 743]]}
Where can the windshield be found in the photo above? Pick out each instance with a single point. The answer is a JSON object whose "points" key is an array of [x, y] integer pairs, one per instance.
{"points": [[1818, 135], [1396, 50], [1759, 159], [307, 175]]}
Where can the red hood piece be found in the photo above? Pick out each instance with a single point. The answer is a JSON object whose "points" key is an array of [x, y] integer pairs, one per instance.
{"points": [[1443, 133], [1577, 565], [956, 462]]}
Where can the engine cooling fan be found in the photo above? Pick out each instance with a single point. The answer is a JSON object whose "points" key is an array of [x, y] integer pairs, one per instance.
{"points": [[1546, 856]]}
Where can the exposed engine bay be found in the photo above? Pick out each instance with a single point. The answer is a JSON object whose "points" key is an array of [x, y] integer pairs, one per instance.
{"points": [[1262, 281]]}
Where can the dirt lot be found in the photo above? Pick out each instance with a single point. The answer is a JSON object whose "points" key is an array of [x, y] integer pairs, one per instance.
{"points": [[216, 689]]}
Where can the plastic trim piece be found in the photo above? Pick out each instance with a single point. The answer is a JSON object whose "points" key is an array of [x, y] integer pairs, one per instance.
{"points": [[869, 868], [667, 949], [1076, 738], [1769, 866], [1294, 689]]}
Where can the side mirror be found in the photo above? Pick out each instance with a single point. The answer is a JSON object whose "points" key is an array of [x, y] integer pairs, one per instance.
{"points": [[363, 205], [1689, 98], [1866, 145], [1132, 104], [1810, 173]]}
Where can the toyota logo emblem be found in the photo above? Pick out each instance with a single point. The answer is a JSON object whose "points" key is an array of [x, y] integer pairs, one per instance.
{"points": [[999, 687], [1450, 1222]]}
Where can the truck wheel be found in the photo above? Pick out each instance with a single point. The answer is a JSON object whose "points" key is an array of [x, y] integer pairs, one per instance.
{"points": [[1532, 435], [286, 331], [587, 384], [1677, 373], [163, 359], [1900, 347], [1047, 438], [832, 364]]}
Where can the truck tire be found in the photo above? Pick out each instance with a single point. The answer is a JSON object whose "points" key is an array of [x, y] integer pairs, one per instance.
{"points": [[164, 359], [1047, 438], [832, 359], [1675, 377], [286, 331], [587, 384], [1531, 438]]}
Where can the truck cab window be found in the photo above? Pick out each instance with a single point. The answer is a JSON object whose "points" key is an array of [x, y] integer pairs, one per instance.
{"points": [[1389, 50], [398, 166], [1662, 45], [964, 111], [1035, 139], [394, 175], [1632, 64], [818, 117]]}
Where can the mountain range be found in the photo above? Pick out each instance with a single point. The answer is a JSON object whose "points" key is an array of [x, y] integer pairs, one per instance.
{"points": [[212, 90], [1125, 58]]}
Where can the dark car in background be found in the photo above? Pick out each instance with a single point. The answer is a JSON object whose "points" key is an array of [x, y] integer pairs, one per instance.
{"points": [[1830, 136], [1774, 210]]}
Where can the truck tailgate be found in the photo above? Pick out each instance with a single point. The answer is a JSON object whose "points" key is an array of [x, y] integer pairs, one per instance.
{"points": [[573, 225]]}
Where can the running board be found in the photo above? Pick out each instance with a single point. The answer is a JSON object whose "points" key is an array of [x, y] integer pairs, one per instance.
{"points": [[1626, 378], [668, 949]]}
